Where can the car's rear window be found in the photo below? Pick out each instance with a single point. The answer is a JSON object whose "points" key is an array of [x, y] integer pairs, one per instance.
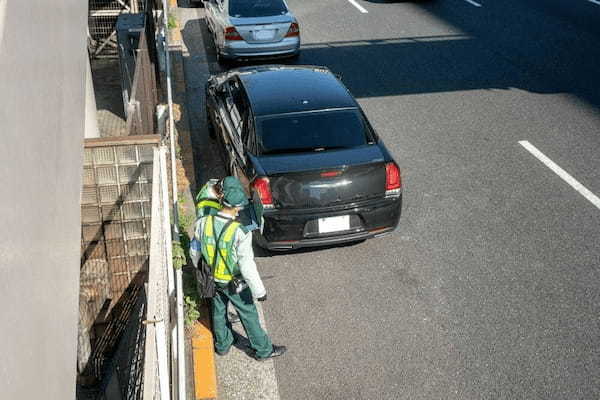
{"points": [[256, 8], [311, 131]]}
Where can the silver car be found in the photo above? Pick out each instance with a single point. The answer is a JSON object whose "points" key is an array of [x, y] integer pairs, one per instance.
{"points": [[244, 29]]}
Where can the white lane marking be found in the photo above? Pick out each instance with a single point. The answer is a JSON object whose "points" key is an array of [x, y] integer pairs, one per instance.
{"points": [[562, 173], [360, 8], [595, 2], [474, 3]]}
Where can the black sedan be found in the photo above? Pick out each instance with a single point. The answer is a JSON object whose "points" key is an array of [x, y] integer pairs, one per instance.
{"points": [[303, 148]]}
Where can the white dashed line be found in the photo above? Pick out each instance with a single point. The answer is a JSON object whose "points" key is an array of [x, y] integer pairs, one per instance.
{"points": [[596, 2], [562, 173], [360, 8], [473, 3]]}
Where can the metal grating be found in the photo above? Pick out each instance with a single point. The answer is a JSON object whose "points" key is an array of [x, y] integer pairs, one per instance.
{"points": [[109, 194], [88, 176], [115, 209], [127, 154], [103, 155], [89, 195], [102, 21]]}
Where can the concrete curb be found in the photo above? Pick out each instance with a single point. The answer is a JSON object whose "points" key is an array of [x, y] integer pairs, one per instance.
{"points": [[202, 344]]}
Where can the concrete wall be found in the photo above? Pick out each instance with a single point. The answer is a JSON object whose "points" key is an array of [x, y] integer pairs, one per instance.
{"points": [[42, 103]]}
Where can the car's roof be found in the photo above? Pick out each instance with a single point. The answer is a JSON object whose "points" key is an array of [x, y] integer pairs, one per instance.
{"points": [[285, 89]]}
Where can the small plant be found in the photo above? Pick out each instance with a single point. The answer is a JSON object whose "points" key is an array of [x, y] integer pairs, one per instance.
{"points": [[172, 22], [185, 220], [191, 298], [179, 255], [191, 313]]}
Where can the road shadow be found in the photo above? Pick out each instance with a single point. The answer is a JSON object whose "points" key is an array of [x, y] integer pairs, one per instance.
{"points": [[261, 252], [558, 48], [415, 65], [190, 4], [400, 65], [199, 63]]}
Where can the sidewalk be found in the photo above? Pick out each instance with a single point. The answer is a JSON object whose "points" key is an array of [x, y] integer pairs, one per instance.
{"points": [[239, 377]]}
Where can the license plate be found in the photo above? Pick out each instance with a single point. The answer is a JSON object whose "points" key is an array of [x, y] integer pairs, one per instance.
{"points": [[264, 34], [334, 224]]}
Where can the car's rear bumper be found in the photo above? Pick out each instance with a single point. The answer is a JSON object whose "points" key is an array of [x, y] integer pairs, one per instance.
{"points": [[286, 230], [236, 50]]}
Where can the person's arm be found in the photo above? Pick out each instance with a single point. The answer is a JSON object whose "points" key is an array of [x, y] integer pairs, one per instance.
{"points": [[248, 266], [196, 245]]}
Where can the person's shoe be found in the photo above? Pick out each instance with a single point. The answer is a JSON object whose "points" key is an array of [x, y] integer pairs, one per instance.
{"points": [[277, 351]]}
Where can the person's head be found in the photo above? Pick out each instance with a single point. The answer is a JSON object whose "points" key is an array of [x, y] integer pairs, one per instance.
{"points": [[233, 195], [218, 189]]}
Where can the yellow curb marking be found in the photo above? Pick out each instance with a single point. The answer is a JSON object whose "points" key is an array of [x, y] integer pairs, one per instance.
{"points": [[205, 380]]}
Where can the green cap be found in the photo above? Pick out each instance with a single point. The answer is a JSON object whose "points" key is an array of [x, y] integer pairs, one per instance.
{"points": [[233, 192]]}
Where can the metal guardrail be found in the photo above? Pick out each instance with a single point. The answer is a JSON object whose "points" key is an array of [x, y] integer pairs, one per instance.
{"points": [[160, 290]]}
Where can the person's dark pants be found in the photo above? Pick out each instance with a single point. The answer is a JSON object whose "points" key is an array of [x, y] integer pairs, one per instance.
{"points": [[244, 305]]}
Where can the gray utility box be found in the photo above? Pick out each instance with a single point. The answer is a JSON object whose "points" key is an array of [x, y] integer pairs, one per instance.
{"points": [[130, 27]]}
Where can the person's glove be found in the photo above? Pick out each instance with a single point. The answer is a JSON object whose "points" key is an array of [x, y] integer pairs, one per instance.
{"points": [[262, 298]]}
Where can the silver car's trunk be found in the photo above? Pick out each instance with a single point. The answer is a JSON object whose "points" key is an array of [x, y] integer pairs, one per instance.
{"points": [[263, 29]]}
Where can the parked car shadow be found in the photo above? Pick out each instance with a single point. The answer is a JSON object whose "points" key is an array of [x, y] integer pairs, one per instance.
{"points": [[190, 4]]}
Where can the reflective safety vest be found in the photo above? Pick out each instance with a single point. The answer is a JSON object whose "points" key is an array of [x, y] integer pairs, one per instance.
{"points": [[206, 202], [210, 234]]}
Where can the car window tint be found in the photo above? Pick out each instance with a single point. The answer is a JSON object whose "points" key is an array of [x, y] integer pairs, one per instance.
{"points": [[235, 105], [256, 8], [313, 131]]}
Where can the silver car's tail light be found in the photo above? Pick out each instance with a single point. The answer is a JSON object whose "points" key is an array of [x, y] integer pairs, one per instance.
{"points": [[294, 30], [232, 34]]}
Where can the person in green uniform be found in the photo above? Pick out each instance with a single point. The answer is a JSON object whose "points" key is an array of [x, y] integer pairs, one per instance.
{"points": [[227, 246], [207, 199]]}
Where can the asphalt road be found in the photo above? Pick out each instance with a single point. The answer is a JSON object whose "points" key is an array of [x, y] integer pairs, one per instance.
{"points": [[489, 289]]}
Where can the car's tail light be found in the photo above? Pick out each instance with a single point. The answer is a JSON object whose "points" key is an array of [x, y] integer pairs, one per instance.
{"points": [[330, 174], [232, 34], [263, 188], [294, 30], [393, 181]]}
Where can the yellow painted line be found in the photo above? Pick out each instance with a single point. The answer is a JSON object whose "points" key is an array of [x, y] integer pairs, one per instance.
{"points": [[203, 353]]}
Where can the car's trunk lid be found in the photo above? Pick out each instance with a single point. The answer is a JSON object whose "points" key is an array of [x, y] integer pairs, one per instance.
{"points": [[264, 29], [322, 179]]}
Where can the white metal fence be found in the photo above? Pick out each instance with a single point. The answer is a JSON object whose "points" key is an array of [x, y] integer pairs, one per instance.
{"points": [[162, 344]]}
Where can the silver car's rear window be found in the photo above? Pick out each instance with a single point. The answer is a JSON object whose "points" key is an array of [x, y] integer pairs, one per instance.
{"points": [[256, 8]]}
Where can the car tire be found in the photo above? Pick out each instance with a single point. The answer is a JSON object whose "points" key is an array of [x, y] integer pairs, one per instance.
{"points": [[223, 62], [259, 250], [295, 57]]}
